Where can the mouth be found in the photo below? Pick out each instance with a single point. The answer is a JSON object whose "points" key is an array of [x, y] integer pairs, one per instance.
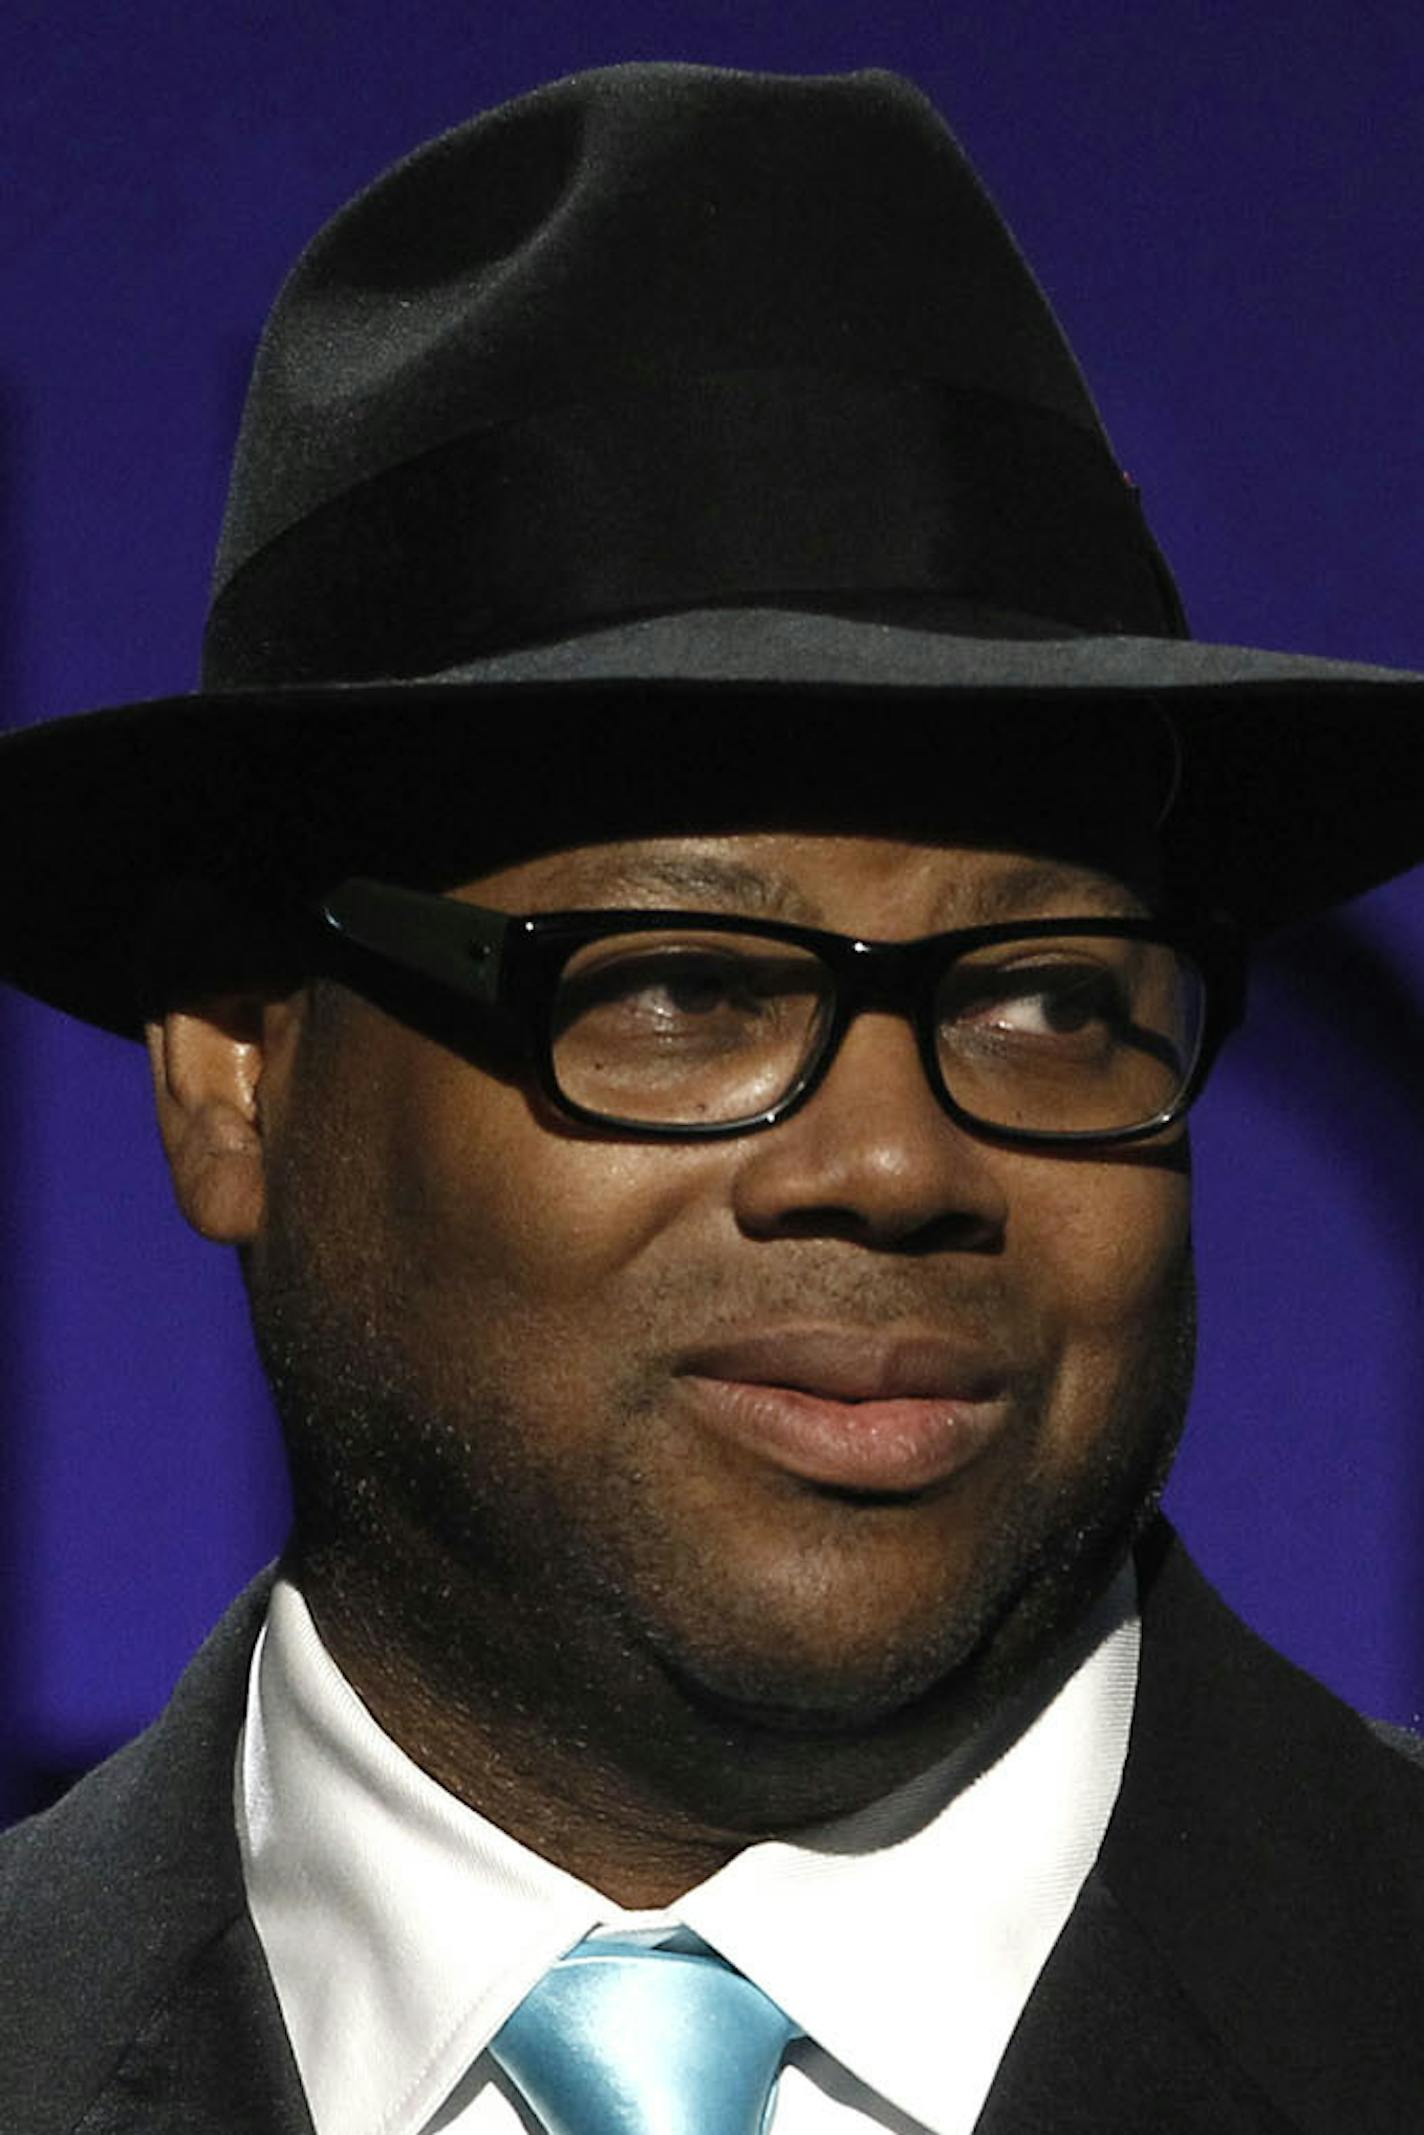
{"points": [[863, 1413]]}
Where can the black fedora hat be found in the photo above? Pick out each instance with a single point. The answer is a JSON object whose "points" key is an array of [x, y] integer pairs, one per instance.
{"points": [[660, 405]]}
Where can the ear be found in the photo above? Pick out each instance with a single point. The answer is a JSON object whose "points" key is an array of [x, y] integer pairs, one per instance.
{"points": [[215, 1067]]}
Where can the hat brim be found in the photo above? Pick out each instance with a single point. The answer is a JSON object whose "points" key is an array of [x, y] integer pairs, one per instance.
{"points": [[1300, 782]]}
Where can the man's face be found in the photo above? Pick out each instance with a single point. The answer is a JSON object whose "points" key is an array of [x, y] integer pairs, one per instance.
{"points": [[518, 1360]]}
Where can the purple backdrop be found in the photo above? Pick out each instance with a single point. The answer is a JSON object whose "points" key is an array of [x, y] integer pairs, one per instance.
{"points": [[1224, 203]]}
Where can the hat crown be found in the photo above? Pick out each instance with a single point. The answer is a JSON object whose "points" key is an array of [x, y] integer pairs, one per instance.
{"points": [[622, 240], [627, 224]]}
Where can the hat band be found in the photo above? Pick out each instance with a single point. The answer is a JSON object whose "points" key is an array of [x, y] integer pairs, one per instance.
{"points": [[748, 485]]}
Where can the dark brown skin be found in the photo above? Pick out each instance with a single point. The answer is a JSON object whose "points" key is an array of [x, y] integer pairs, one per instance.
{"points": [[631, 1643]]}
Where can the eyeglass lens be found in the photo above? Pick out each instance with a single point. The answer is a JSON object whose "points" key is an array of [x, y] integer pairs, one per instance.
{"points": [[1075, 1034], [687, 1030], [1085, 1034]]}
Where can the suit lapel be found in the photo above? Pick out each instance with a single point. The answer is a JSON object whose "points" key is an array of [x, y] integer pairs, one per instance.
{"points": [[1248, 1953], [213, 2057], [1110, 2045]]}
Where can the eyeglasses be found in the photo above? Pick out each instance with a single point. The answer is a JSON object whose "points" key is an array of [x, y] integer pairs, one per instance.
{"points": [[668, 1025]]}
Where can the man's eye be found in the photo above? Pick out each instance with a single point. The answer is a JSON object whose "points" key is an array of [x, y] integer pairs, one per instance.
{"points": [[698, 986], [672, 991], [1071, 1003], [1043, 1001], [674, 984]]}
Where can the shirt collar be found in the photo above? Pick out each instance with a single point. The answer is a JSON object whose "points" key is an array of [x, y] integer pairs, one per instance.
{"points": [[402, 1927]]}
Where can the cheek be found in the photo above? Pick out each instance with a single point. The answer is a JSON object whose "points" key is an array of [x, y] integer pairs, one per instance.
{"points": [[1113, 1250], [487, 1199]]}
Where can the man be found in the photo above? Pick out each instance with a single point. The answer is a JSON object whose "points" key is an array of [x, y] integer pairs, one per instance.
{"points": [[677, 940]]}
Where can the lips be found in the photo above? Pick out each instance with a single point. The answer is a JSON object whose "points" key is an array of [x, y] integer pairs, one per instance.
{"points": [[859, 1411]]}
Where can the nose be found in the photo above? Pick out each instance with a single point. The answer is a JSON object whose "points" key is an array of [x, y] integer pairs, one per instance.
{"points": [[874, 1157]]}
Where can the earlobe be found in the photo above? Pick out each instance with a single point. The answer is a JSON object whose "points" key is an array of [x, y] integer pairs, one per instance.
{"points": [[209, 1063]]}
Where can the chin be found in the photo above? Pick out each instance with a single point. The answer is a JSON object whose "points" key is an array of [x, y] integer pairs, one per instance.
{"points": [[811, 1733]]}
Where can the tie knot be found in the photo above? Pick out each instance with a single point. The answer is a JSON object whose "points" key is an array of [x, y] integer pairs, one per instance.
{"points": [[622, 2039]]}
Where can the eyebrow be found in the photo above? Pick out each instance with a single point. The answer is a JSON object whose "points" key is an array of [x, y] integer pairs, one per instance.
{"points": [[714, 882], [1021, 889], [1016, 890]]}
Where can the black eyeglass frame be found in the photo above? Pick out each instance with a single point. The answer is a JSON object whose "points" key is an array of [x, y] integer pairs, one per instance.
{"points": [[508, 966]]}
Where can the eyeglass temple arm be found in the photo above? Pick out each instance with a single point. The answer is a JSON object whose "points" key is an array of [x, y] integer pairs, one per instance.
{"points": [[456, 945]]}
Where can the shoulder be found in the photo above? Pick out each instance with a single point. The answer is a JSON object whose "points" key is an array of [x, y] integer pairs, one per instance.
{"points": [[1254, 1744], [109, 1894], [1268, 1843], [1202, 1658]]}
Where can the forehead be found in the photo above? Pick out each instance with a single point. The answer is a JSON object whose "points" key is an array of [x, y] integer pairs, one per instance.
{"points": [[844, 880]]}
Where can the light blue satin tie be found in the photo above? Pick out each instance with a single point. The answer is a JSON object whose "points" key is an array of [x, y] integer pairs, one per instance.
{"points": [[621, 2039]]}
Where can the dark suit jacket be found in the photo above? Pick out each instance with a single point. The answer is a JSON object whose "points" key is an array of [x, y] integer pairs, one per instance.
{"points": [[1248, 1954]]}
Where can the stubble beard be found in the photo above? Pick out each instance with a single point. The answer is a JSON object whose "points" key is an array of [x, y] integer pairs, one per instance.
{"points": [[445, 1563]]}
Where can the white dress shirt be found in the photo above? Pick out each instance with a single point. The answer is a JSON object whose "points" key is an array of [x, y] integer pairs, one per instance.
{"points": [[402, 1928]]}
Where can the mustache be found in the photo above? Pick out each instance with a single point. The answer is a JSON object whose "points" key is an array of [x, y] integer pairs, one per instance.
{"points": [[971, 1303]]}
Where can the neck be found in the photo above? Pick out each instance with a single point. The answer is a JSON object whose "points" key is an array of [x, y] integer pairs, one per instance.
{"points": [[638, 1784]]}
